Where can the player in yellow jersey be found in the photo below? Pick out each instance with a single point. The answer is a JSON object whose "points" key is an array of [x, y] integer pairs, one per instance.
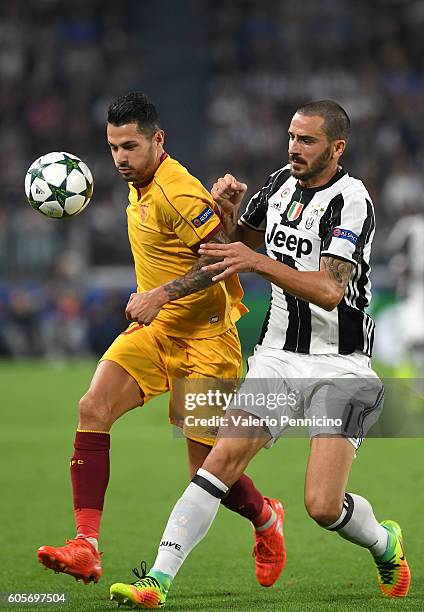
{"points": [[182, 326]]}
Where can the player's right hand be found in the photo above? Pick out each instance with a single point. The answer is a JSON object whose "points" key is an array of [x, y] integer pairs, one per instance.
{"points": [[228, 192], [144, 307]]}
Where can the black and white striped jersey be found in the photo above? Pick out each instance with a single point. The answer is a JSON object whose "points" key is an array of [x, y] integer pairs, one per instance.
{"points": [[300, 225]]}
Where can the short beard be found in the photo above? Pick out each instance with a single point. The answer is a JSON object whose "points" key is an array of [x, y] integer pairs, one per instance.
{"points": [[150, 170], [318, 166]]}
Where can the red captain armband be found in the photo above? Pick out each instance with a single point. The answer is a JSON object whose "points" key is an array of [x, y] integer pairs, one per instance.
{"points": [[206, 238]]}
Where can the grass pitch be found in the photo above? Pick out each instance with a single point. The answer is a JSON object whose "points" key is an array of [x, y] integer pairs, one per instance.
{"points": [[148, 473]]}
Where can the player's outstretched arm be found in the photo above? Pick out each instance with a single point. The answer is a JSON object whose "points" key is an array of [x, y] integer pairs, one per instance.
{"points": [[144, 307], [325, 287], [197, 278]]}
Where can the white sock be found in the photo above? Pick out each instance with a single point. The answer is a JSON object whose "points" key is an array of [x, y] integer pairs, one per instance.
{"points": [[93, 541], [189, 522], [268, 524], [358, 524]]}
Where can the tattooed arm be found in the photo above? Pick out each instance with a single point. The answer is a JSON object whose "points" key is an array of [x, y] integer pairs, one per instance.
{"points": [[196, 278], [144, 307], [339, 272], [325, 288]]}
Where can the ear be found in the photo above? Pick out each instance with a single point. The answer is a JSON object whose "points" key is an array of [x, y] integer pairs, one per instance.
{"points": [[338, 148], [159, 137]]}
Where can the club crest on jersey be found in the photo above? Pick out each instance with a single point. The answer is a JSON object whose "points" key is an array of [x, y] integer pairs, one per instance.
{"points": [[311, 219], [144, 211], [203, 217], [294, 211]]}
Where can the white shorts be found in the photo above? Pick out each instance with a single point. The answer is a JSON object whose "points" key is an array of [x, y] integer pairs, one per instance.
{"points": [[331, 394]]}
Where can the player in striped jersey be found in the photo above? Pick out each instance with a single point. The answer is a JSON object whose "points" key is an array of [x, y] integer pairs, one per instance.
{"points": [[317, 223]]}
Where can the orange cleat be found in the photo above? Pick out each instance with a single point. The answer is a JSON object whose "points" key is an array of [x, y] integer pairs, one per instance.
{"points": [[270, 550], [393, 571], [78, 558]]}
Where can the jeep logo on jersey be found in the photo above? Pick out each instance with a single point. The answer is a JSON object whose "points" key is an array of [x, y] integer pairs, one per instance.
{"points": [[203, 217], [292, 242]]}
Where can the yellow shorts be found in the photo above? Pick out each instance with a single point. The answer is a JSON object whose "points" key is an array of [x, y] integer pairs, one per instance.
{"points": [[155, 360]]}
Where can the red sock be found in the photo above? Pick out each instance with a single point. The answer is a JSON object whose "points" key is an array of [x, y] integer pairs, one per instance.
{"points": [[88, 522], [90, 477], [264, 515], [245, 499]]}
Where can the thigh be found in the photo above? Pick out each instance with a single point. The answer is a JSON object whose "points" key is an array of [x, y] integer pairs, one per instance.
{"points": [[343, 397], [217, 357], [208, 364], [143, 353], [230, 456], [329, 463], [269, 393]]}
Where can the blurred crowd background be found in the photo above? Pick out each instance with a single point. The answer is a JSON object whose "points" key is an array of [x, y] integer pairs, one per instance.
{"points": [[226, 78]]}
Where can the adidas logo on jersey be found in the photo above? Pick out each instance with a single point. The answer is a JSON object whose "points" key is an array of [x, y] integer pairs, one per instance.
{"points": [[292, 242]]}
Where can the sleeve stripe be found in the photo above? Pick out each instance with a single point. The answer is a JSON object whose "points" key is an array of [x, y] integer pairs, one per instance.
{"points": [[329, 254], [195, 247], [367, 228], [353, 211]]}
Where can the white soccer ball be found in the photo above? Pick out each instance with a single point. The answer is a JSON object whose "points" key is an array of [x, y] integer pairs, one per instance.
{"points": [[59, 185]]}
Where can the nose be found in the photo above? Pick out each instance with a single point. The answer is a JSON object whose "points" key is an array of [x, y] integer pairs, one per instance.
{"points": [[294, 146], [121, 156]]}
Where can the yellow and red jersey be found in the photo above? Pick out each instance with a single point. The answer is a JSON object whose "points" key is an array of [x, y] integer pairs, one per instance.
{"points": [[167, 221]]}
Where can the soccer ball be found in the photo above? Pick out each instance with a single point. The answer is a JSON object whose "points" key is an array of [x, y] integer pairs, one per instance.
{"points": [[59, 185]]}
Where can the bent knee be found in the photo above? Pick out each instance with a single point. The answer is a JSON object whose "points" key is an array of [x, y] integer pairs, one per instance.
{"points": [[325, 512], [94, 412]]}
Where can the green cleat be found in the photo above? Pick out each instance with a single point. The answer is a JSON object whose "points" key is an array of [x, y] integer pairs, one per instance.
{"points": [[393, 572], [146, 592]]}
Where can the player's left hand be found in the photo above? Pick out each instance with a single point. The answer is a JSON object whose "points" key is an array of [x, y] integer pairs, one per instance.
{"points": [[144, 307], [237, 258]]}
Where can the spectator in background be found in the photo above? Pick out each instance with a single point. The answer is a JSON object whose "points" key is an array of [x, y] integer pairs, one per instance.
{"points": [[262, 60]]}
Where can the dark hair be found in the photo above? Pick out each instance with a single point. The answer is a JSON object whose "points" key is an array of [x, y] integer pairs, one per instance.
{"points": [[336, 121], [134, 107]]}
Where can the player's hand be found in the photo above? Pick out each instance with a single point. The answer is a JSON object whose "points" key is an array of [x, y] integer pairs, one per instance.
{"points": [[144, 307], [237, 258], [228, 192]]}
